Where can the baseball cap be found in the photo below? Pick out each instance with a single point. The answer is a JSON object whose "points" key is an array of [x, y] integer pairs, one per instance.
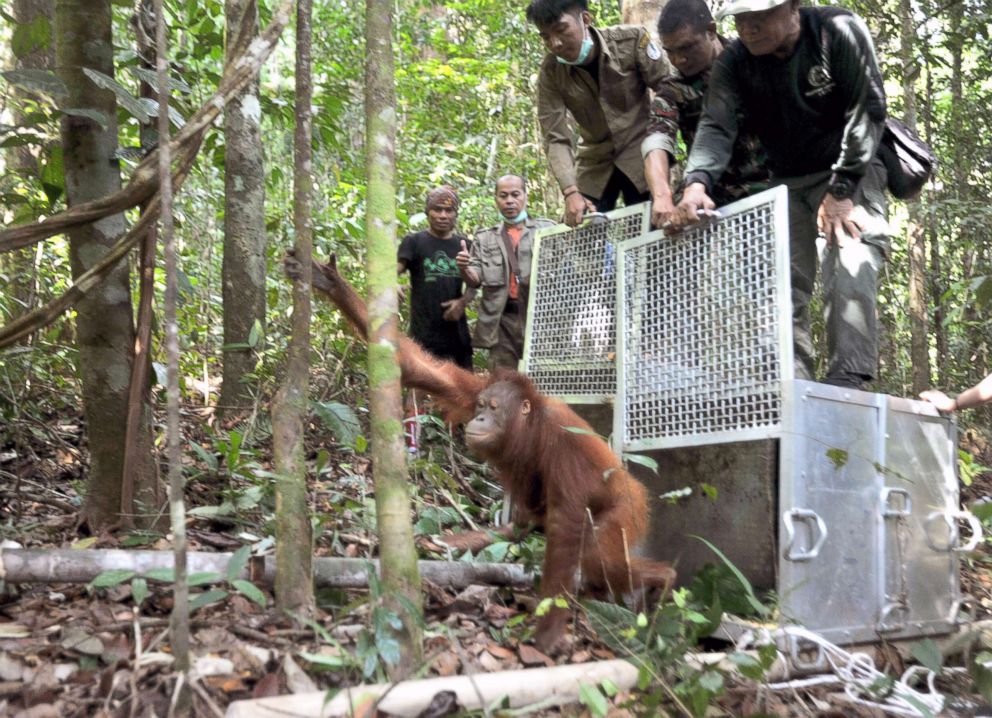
{"points": [[738, 6]]}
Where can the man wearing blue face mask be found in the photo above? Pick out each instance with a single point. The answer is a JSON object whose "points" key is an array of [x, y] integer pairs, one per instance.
{"points": [[599, 78], [499, 262]]}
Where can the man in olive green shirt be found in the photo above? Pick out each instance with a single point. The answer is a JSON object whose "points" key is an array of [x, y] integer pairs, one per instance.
{"points": [[599, 78]]}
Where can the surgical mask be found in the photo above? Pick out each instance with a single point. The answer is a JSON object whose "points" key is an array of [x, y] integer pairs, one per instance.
{"points": [[584, 52], [522, 217]]}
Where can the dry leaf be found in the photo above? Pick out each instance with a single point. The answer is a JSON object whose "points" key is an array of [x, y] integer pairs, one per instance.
{"points": [[297, 681], [366, 707], [42, 710], [490, 663], [500, 652], [118, 648], [267, 686], [76, 639], [210, 665], [227, 684], [476, 648], [247, 661], [495, 612], [530, 656], [14, 630], [446, 664], [11, 669]]}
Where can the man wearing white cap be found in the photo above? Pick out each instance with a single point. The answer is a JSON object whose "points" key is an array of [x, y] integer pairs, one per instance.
{"points": [[807, 79]]}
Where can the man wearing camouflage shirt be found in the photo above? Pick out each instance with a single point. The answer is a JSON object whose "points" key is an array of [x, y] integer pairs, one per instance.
{"points": [[808, 81], [600, 79], [500, 262], [689, 38]]}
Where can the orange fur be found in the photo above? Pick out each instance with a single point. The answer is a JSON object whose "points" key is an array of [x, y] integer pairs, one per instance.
{"points": [[570, 484]]}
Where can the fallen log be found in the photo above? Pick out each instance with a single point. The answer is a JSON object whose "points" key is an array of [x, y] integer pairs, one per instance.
{"points": [[19, 565], [545, 686]]}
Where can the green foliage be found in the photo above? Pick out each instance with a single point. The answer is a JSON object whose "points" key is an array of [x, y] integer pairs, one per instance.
{"points": [[340, 419], [744, 584], [929, 655], [34, 35], [659, 643], [838, 457], [139, 584], [432, 519], [379, 644], [593, 698], [968, 468], [111, 578], [642, 460]]}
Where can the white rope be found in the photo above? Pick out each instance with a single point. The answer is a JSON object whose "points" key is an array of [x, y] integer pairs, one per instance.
{"points": [[857, 672]]}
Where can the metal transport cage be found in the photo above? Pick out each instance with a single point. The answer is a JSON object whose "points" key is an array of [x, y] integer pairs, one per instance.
{"points": [[844, 503]]}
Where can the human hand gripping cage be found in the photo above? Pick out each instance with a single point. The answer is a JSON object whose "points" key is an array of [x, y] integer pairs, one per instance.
{"points": [[689, 335]]}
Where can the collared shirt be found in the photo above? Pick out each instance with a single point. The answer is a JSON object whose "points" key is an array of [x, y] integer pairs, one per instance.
{"points": [[676, 109], [609, 106], [491, 264], [814, 111]]}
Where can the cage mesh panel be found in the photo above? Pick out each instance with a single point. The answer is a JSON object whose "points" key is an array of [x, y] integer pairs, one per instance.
{"points": [[702, 330], [573, 304]]}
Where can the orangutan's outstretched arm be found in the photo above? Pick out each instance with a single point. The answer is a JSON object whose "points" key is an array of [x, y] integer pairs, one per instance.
{"points": [[456, 389]]}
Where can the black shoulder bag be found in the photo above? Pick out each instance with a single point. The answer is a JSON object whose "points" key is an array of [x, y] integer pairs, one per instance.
{"points": [[908, 160]]}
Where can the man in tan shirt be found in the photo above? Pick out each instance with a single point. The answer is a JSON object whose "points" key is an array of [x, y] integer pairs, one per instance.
{"points": [[598, 78]]}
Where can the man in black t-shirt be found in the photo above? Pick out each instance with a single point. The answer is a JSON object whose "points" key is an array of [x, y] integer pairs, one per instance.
{"points": [[437, 304]]}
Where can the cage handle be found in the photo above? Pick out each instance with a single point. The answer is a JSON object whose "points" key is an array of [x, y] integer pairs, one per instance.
{"points": [[888, 510], [951, 519], [811, 518]]}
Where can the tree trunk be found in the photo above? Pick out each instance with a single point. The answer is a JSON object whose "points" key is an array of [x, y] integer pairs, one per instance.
{"points": [[36, 565], [21, 266], [961, 146], [36, 13], [294, 542], [179, 618], [104, 316], [398, 556], [244, 224], [915, 237], [137, 501], [937, 279], [644, 13]]}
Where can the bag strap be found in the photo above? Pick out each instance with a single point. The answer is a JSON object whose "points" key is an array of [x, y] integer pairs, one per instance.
{"points": [[825, 46], [511, 253]]}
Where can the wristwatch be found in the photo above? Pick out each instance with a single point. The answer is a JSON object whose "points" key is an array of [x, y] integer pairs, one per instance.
{"points": [[842, 187]]}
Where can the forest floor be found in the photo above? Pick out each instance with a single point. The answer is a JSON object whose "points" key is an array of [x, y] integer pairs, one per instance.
{"points": [[74, 650]]}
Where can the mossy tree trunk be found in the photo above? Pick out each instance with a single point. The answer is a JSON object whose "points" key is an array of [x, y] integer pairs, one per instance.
{"points": [[294, 540], [244, 223], [20, 266], [398, 556], [104, 321]]}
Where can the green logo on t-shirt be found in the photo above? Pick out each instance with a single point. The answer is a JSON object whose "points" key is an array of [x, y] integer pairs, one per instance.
{"points": [[440, 265]]}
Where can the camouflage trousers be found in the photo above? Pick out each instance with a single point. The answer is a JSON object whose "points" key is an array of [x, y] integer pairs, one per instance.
{"points": [[849, 278], [509, 347]]}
